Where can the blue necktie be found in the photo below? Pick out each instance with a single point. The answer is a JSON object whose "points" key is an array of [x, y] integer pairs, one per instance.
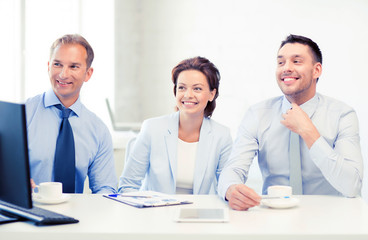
{"points": [[64, 164], [296, 181]]}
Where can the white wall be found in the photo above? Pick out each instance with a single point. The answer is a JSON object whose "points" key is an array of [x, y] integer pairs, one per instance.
{"points": [[242, 38]]}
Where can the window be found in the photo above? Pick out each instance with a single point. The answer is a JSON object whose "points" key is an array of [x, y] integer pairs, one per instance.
{"points": [[32, 26]]}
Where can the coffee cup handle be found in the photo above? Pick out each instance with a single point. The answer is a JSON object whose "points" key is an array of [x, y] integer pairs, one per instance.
{"points": [[34, 189]]}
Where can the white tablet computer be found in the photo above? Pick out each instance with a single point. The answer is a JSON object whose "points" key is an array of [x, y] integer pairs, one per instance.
{"points": [[202, 215]]}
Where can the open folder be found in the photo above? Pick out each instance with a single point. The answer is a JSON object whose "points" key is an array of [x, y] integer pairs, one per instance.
{"points": [[144, 199]]}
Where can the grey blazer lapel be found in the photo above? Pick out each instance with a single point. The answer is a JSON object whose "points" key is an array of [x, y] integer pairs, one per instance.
{"points": [[204, 153]]}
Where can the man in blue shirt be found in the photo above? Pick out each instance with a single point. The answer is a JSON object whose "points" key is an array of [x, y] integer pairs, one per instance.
{"points": [[69, 67], [331, 160]]}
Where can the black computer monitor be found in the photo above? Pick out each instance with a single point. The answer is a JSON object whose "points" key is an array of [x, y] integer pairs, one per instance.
{"points": [[15, 187], [15, 184]]}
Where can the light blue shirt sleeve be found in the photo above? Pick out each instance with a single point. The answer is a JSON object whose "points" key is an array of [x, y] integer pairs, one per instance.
{"points": [[93, 144], [244, 150], [332, 166], [340, 160]]}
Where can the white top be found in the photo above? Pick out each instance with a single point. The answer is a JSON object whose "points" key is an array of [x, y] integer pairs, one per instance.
{"points": [[186, 162]]}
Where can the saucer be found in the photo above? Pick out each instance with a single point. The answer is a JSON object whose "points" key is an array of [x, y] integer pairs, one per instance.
{"points": [[37, 198], [280, 202]]}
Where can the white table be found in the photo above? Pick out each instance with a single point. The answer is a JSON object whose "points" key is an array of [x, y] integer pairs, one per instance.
{"points": [[317, 217]]}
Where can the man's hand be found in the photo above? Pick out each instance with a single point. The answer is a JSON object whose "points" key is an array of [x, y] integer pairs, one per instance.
{"points": [[298, 121], [33, 184], [241, 197]]}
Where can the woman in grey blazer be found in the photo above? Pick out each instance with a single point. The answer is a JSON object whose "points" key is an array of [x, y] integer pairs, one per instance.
{"points": [[183, 152]]}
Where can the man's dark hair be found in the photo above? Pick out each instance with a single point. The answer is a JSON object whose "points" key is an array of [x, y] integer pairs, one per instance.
{"points": [[317, 54]]}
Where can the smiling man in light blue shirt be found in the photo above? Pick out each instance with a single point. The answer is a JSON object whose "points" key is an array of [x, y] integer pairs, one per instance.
{"points": [[331, 160], [69, 67]]}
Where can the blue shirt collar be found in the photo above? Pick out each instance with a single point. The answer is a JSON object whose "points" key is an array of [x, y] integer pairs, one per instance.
{"points": [[51, 99]]}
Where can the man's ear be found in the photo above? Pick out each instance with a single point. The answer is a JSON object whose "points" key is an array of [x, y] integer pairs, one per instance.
{"points": [[317, 72], [88, 74]]}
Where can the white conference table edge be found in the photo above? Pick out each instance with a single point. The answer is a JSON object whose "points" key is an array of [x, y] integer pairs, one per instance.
{"points": [[317, 217]]}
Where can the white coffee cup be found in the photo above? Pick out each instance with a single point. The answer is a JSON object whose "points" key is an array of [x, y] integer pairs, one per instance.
{"points": [[49, 190], [279, 191]]}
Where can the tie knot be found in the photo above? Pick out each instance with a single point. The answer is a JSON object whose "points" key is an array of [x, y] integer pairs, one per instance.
{"points": [[65, 112]]}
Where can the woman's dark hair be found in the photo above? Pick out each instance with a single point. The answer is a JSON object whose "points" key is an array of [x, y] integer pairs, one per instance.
{"points": [[208, 69]]}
